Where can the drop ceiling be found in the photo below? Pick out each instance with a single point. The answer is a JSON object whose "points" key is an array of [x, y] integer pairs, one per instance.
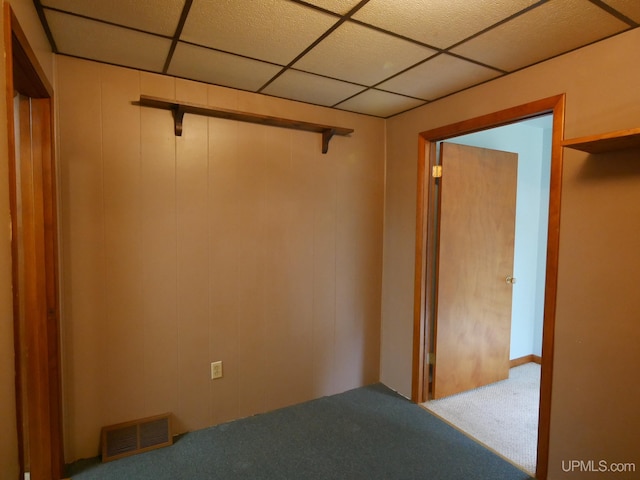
{"points": [[376, 57]]}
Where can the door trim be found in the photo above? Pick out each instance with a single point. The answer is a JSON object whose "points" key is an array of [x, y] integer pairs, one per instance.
{"points": [[35, 271], [426, 275]]}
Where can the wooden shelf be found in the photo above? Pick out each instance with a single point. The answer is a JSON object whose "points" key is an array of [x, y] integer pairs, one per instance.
{"points": [[607, 142], [180, 108]]}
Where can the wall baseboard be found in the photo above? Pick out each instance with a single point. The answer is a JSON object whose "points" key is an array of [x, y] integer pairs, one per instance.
{"points": [[516, 362]]}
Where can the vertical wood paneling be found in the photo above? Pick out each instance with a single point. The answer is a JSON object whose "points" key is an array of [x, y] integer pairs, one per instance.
{"points": [[301, 241], [159, 249], [223, 258], [600, 306], [358, 195], [323, 204], [293, 329], [224, 254], [276, 262], [372, 174], [349, 335], [125, 327], [82, 252], [286, 337], [252, 329], [221, 244], [192, 247]]}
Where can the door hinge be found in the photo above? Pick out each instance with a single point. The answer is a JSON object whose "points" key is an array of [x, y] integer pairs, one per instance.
{"points": [[431, 359], [436, 171]]}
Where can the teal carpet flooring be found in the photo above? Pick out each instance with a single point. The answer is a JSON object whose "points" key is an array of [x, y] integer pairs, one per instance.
{"points": [[369, 433]]}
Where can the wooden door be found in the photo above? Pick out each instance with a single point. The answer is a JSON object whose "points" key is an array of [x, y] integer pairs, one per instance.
{"points": [[475, 264]]}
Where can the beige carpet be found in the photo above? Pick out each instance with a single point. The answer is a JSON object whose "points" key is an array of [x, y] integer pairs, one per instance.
{"points": [[503, 416]]}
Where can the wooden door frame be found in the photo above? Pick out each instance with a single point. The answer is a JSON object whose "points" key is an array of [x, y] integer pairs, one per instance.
{"points": [[425, 278], [34, 262]]}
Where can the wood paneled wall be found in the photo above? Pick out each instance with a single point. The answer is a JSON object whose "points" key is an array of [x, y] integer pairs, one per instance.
{"points": [[594, 412], [234, 242]]}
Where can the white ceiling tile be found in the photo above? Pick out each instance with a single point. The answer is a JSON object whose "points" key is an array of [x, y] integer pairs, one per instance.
{"points": [[381, 104], [629, 8], [198, 63], [310, 88], [440, 23], [437, 77], [156, 16], [272, 30], [352, 56], [340, 7], [362, 55], [551, 29], [107, 43]]}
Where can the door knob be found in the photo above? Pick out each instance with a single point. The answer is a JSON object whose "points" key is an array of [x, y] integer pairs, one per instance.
{"points": [[510, 279]]}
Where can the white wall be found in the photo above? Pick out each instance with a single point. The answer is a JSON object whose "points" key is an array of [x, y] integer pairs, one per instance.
{"points": [[542, 244], [527, 139]]}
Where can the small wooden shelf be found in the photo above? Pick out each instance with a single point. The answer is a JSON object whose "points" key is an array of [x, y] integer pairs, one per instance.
{"points": [[180, 108], [606, 142]]}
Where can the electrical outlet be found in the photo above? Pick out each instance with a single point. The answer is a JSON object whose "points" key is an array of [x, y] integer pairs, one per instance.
{"points": [[216, 370]]}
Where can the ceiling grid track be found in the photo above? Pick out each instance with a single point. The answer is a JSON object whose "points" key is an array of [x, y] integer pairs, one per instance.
{"points": [[366, 56]]}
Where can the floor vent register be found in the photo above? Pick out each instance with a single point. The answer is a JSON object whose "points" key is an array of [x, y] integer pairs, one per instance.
{"points": [[136, 436]]}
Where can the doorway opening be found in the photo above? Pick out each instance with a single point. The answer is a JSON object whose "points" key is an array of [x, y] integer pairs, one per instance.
{"points": [[504, 415], [426, 274], [34, 251]]}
